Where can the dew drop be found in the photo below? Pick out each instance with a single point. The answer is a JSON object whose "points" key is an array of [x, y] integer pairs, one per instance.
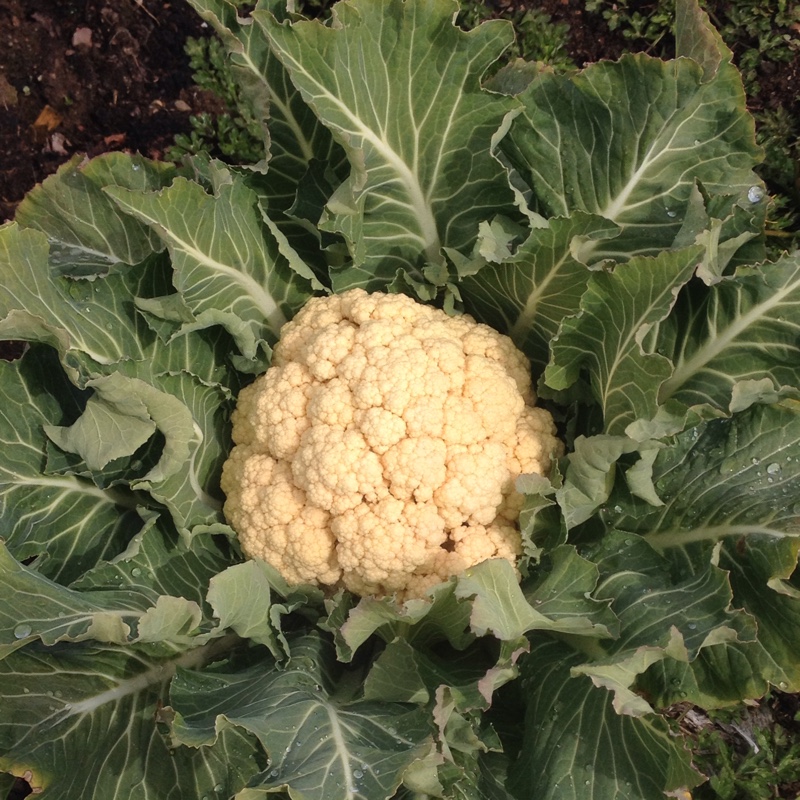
{"points": [[136, 572], [358, 774], [26, 690], [755, 194], [774, 469], [618, 509], [22, 631], [692, 626], [274, 773], [671, 213], [219, 788]]}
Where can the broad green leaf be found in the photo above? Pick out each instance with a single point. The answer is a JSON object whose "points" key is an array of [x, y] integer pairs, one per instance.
{"points": [[399, 87], [660, 615], [125, 412], [591, 470], [295, 136], [732, 670], [252, 598], [731, 494], [227, 266], [196, 443], [753, 565], [77, 317], [736, 342], [413, 672], [442, 617], [498, 605], [116, 422], [576, 746], [83, 722], [65, 522], [35, 608], [152, 592], [605, 338], [696, 38], [737, 477], [561, 590], [529, 294], [157, 562], [540, 520], [396, 676], [88, 233], [319, 743], [627, 141]]}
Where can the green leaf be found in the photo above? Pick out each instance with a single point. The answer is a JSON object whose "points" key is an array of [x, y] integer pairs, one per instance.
{"points": [[295, 136], [396, 676], [529, 294], [736, 342], [78, 318], [731, 494], [414, 122], [605, 338], [660, 615], [37, 608], [227, 266], [443, 617], [319, 745], [84, 722], [576, 746], [696, 38], [156, 562], [627, 140], [561, 590], [65, 522], [88, 234]]}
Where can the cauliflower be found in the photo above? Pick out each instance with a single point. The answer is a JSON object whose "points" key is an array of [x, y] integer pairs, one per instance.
{"points": [[379, 451]]}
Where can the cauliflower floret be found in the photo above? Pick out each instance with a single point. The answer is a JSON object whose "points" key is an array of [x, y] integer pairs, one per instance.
{"points": [[380, 450]]}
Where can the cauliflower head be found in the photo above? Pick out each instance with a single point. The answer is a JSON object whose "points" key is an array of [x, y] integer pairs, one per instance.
{"points": [[380, 449]]}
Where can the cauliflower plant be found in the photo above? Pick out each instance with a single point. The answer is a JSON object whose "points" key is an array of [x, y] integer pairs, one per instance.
{"points": [[379, 451]]}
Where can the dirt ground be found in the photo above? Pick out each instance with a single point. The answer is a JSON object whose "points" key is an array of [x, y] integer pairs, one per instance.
{"points": [[89, 76]]}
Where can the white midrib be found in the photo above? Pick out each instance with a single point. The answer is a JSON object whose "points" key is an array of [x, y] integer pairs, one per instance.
{"points": [[285, 110], [662, 540], [417, 199], [341, 748], [264, 302], [719, 343], [522, 324], [158, 674], [72, 484], [617, 205]]}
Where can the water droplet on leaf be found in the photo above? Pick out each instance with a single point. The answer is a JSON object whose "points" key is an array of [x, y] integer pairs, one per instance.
{"points": [[774, 469], [22, 631], [755, 194]]}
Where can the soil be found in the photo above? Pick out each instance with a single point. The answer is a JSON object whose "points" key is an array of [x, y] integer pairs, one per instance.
{"points": [[89, 76]]}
